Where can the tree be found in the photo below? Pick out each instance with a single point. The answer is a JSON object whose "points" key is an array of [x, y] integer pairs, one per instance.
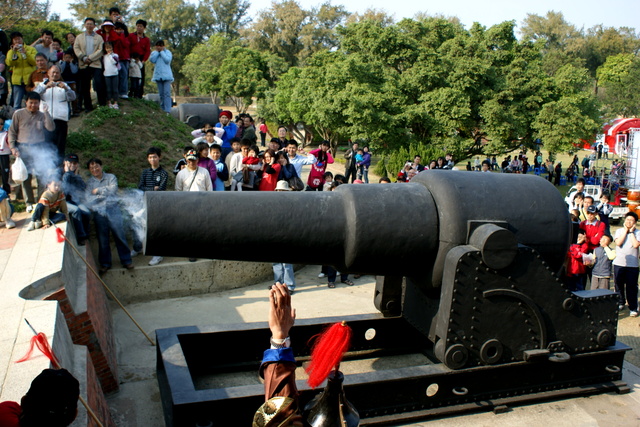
{"points": [[429, 86], [12, 12], [278, 29], [98, 9], [230, 16], [181, 24], [319, 32], [619, 77], [571, 115], [294, 34], [31, 29], [202, 64], [562, 43], [242, 75], [370, 14]]}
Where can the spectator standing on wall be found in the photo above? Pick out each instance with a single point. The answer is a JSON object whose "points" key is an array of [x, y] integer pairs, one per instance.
{"points": [[162, 74], [21, 61], [57, 95], [88, 48], [625, 264], [141, 45]]}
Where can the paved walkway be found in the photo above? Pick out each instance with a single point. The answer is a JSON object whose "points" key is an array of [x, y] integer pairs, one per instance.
{"points": [[25, 258]]}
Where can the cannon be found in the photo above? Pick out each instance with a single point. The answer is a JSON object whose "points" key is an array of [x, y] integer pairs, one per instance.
{"points": [[468, 265]]}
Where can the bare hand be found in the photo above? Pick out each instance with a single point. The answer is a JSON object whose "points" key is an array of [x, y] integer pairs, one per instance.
{"points": [[281, 315], [15, 152], [45, 107]]}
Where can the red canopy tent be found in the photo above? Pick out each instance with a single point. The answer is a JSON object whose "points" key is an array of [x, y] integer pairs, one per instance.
{"points": [[616, 133]]}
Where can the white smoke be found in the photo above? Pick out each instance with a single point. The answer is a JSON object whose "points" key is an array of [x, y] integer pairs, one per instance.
{"points": [[132, 205], [43, 161]]}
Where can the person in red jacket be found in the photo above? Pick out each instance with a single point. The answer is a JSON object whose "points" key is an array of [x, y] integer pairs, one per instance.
{"points": [[140, 44], [576, 270], [122, 49], [270, 171], [593, 228]]}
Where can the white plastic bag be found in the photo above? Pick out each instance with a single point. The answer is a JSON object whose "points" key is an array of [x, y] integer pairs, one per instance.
{"points": [[19, 171]]}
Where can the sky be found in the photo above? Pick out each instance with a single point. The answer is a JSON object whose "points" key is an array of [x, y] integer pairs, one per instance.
{"points": [[584, 13]]}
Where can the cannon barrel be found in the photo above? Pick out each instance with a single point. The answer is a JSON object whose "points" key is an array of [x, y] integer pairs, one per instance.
{"points": [[395, 230]]}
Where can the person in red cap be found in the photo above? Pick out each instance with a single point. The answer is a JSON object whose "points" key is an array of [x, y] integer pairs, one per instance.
{"points": [[230, 130]]}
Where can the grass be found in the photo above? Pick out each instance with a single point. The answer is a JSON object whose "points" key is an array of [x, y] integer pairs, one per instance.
{"points": [[120, 138]]}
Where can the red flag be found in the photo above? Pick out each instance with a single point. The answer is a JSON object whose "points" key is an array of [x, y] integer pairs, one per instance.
{"points": [[41, 342], [59, 235]]}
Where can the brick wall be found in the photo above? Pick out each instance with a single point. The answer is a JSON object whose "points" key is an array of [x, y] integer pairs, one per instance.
{"points": [[95, 398], [93, 329]]}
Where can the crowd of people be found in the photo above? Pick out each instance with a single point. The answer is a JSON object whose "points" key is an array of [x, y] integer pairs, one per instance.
{"points": [[591, 260], [109, 58]]}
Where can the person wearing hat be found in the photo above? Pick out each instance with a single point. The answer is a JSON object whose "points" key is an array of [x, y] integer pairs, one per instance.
{"points": [[52, 400], [230, 130], [88, 49], [593, 228], [74, 189], [193, 177], [282, 185]]}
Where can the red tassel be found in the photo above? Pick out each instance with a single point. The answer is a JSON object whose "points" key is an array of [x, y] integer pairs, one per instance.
{"points": [[59, 235], [327, 352], [41, 342]]}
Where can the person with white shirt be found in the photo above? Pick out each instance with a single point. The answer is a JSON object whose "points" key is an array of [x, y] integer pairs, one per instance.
{"points": [[193, 177], [297, 159], [625, 264]]}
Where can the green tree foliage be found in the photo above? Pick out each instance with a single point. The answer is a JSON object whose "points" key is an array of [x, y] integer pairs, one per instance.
{"points": [[619, 77], [230, 16], [202, 64], [31, 29], [371, 15], [564, 44], [602, 42], [294, 34], [13, 12], [429, 86], [181, 24], [98, 9], [242, 75]]}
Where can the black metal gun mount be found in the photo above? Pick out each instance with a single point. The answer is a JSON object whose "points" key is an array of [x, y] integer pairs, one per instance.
{"points": [[470, 261]]}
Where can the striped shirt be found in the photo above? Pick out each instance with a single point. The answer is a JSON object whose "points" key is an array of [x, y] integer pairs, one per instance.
{"points": [[152, 178]]}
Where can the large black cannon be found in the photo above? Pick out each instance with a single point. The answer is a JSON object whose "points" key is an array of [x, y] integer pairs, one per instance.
{"points": [[469, 263]]}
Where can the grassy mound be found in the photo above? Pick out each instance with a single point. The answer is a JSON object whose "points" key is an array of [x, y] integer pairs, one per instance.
{"points": [[120, 138]]}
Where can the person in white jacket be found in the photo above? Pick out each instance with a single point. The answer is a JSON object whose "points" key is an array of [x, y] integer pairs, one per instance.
{"points": [[57, 95]]}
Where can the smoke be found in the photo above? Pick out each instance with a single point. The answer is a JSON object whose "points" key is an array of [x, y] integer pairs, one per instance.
{"points": [[132, 205], [42, 160]]}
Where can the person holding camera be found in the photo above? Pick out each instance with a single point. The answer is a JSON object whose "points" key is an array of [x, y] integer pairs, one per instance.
{"points": [[57, 95], [162, 74], [21, 61]]}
